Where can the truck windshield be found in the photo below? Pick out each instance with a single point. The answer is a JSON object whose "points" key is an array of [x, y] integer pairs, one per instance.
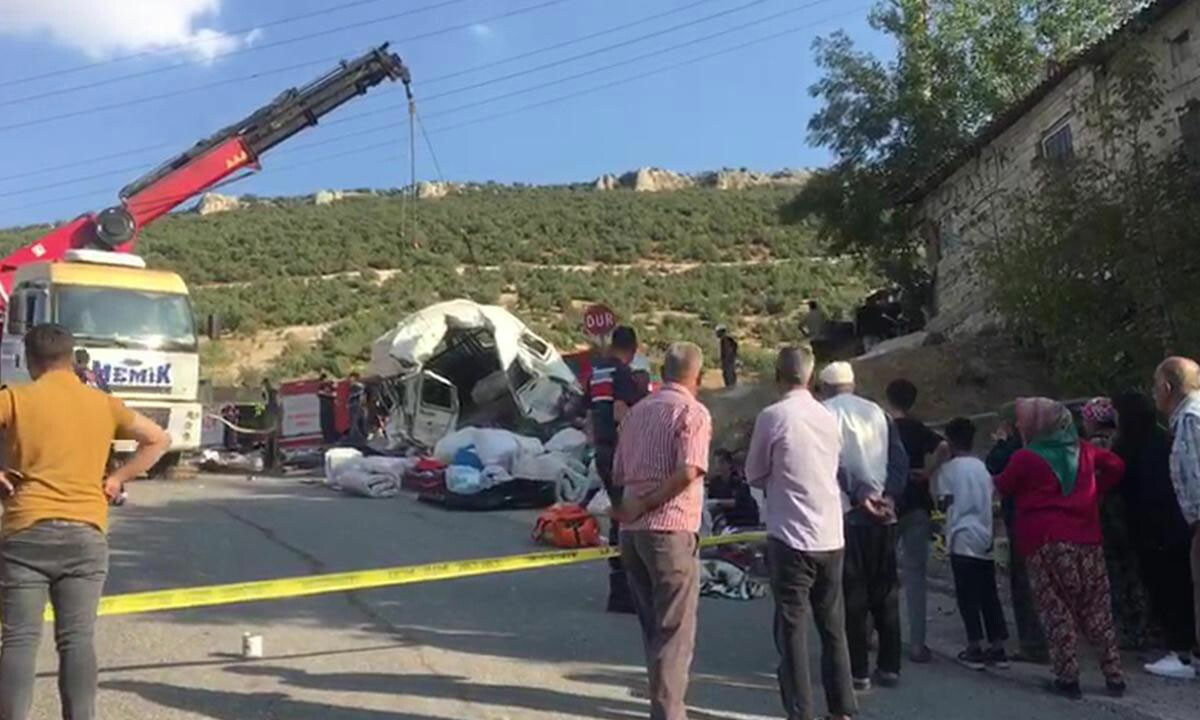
{"points": [[119, 317]]}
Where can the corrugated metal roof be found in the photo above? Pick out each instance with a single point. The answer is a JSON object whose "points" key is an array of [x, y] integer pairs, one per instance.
{"points": [[1098, 52]]}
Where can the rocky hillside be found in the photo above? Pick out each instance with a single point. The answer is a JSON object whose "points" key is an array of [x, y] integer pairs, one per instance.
{"points": [[647, 179]]}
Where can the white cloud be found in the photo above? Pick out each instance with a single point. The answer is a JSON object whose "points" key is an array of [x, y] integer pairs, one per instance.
{"points": [[481, 31], [104, 28]]}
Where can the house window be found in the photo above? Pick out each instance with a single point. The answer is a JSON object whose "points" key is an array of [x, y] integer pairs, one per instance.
{"points": [[1058, 144], [1181, 48], [1189, 130]]}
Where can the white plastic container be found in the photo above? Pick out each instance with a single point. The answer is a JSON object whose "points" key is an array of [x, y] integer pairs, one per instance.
{"points": [[252, 646]]}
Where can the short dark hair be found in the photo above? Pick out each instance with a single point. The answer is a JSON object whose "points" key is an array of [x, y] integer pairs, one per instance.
{"points": [[49, 344], [794, 366], [812, 304], [961, 434], [625, 338], [902, 394], [82, 357]]}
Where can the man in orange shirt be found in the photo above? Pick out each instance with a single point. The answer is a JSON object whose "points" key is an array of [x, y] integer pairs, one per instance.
{"points": [[57, 436]]}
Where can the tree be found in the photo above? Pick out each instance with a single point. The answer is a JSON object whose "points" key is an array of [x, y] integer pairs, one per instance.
{"points": [[890, 123]]}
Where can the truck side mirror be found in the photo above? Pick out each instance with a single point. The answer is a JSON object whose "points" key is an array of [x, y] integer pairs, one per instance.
{"points": [[212, 326]]}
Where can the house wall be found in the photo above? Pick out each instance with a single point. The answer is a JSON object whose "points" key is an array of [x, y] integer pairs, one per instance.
{"points": [[966, 212]]}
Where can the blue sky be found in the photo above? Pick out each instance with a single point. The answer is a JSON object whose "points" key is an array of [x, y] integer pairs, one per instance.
{"points": [[743, 108]]}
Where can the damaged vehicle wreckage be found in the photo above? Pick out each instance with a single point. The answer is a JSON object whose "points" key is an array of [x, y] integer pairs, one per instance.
{"points": [[477, 412]]}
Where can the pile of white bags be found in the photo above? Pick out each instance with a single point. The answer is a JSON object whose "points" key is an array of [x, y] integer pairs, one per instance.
{"points": [[506, 455], [375, 477]]}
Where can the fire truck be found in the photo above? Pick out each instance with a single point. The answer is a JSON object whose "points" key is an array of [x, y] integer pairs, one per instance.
{"points": [[135, 323]]}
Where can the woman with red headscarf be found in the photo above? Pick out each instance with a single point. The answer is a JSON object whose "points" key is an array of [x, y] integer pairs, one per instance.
{"points": [[1057, 483]]}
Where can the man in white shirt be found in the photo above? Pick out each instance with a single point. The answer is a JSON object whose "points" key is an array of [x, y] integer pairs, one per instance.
{"points": [[965, 486], [873, 471]]}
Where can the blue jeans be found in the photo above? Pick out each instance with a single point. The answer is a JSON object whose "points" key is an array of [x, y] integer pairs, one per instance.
{"points": [[67, 562]]}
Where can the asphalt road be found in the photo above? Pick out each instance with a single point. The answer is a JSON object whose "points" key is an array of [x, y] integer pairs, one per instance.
{"points": [[526, 645]]}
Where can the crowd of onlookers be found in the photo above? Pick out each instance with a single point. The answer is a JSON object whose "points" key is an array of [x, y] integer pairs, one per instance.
{"points": [[1091, 507]]}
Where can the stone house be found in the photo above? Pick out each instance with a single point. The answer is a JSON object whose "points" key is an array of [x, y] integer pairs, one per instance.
{"points": [[960, 207]]}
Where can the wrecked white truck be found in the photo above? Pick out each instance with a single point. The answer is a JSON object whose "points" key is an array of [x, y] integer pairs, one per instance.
{"points": [[460, 363]]}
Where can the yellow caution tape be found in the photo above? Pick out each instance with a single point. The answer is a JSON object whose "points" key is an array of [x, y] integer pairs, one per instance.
{"points": [[187, 598]]}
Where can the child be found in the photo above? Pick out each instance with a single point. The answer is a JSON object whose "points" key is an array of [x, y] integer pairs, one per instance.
{"points": [[965, 486]]}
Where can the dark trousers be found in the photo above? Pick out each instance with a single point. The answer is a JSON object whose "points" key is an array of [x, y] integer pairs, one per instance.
{"points": [[1025, 611], [68, 562], [618, 586], [978, 600], [1166, 573], [872, 590], [807, 588], [729, 373], [664, 579]]}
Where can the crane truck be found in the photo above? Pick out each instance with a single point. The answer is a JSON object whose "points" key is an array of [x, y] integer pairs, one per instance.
{"points": [[137, 324]]}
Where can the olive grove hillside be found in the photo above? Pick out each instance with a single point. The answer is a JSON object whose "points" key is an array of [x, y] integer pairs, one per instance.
{"points": [[675, 262]]}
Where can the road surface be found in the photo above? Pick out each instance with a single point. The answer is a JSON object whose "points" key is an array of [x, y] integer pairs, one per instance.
{"points": [[526, 645]]}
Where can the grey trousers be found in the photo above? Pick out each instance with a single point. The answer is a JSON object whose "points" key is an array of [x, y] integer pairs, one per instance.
{"points": [[808, 589], [916, 529], [664, 579], [68, 563]]}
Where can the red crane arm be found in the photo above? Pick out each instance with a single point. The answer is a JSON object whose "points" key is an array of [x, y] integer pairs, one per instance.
{"points": [[208, 162]]}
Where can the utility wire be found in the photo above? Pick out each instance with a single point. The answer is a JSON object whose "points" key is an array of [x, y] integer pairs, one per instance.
{"points": [[563, 61], [243, 78], [502, 96], [85, 161], [546, 66], [219, 56], [495, 116], [567, 43], [569, 78], [185, 45], [437, 166]]}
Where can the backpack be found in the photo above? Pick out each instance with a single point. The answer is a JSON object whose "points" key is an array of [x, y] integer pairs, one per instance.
{"points": [[567, 525]]}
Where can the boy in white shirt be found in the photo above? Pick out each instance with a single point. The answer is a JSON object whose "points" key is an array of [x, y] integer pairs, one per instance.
{"points": [[965, 487]]}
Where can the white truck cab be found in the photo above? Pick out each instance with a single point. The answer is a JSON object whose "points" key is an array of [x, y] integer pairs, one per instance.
{"points": [[135, 324]]}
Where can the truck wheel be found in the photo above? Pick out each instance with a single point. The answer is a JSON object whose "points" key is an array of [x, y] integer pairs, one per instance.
{"points": [[164, 469]]}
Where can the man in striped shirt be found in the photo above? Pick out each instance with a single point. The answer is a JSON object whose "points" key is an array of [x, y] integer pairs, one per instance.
{"points": [[661, 460]]}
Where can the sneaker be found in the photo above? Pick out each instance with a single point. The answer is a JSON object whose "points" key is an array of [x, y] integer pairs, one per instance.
{"points": [[1062, 688], [921, 655], [1170, 666], [887, 679], [1115, 688], [862, 684], [973, 659], [996, 657]]}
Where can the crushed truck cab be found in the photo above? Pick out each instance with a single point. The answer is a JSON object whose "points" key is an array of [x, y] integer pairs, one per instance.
{"points": [[135, 324]]}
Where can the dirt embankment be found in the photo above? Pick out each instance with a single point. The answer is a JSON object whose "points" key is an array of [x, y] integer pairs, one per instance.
{"points": [[967, 378]]}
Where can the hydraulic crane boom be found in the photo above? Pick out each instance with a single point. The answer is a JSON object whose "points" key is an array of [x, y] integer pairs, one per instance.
{"points": [[208, 162]]}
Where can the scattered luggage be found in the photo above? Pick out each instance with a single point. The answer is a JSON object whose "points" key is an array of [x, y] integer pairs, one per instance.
{"points": [[567, 526]]}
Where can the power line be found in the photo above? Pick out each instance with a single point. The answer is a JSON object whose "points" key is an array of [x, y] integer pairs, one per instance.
{"points": [[624, 43], [566, 43], [451, 75], [85, 161], [185, 45], [495, 98], [432, 155], [206, 86], [564, 61], [569, 78], [524, 108]]}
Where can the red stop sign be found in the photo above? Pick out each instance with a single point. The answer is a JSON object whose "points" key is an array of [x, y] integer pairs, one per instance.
{"points": [[599, 320]]}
